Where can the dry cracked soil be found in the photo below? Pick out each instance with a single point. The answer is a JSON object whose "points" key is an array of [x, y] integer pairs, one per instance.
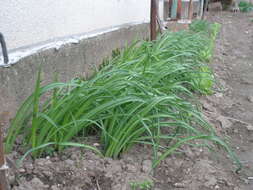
{"points": [[229, 109]]}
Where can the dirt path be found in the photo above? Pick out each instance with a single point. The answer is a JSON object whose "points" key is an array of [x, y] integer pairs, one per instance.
{"points": [[233, 63]]}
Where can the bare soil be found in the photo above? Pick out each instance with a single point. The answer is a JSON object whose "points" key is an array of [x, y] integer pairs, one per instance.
{"points": [[230, 110]]}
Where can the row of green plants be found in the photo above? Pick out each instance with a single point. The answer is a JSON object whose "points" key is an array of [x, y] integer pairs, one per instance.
{"points": [[145, 94], [245, 6]]}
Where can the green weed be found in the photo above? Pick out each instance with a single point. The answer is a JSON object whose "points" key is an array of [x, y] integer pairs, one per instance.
{"points": [[144, 185]]}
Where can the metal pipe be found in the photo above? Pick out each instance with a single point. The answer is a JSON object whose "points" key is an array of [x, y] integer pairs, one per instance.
{"points": [[201, 8], [4, 48]]}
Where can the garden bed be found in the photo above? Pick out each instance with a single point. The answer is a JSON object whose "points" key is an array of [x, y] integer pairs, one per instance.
{"points": [[189, 168]]}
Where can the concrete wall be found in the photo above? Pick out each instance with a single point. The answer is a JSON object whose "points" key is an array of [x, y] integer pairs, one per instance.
{"points": [[68, 37], [26, 22], [76, 58]]}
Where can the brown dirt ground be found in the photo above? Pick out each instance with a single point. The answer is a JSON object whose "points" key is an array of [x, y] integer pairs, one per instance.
{"points": [[230, 110]]}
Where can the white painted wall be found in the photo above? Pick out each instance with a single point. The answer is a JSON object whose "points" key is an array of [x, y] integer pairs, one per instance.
{"points": [[161, 9], [26, 22]]}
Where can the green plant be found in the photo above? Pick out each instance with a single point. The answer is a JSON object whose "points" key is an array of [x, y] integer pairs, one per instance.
{"points": [[245, 6], [209, 33], [144, 185], [142, 95], [115, 52], [106, 61], [200, 26]]}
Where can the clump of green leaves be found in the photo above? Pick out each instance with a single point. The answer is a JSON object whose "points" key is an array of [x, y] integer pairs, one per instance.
{"points": [[144, 185], [203, 28], [144, 94], [245, 6]]}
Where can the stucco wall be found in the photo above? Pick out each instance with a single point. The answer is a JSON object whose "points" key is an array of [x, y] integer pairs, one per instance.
{"points": [[26, 22]]}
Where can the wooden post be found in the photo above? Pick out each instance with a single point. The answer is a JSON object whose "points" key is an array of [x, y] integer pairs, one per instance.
{"points": [[179, 9], [190, 9], [4, 48], [3, 180], [153, 16]]}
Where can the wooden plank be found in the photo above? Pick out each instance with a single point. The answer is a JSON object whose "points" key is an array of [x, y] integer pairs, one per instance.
{"points": [[174, 9], [179, 9], [190, 10], [3, 180]]}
